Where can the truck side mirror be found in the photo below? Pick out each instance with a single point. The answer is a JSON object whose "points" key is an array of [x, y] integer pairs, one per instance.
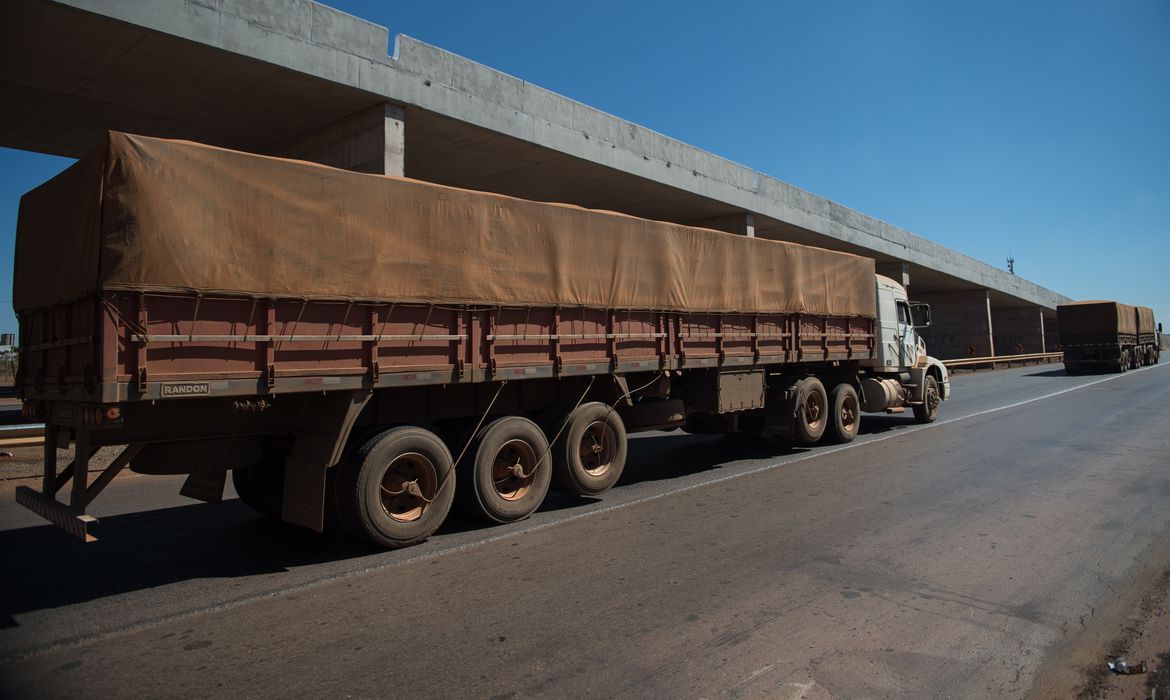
{"points": [[920, 314]]}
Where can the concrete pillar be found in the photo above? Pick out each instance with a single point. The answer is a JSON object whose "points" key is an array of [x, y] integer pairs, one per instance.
{"points": [[742, 223], [960, 324], [898, 271], [1019, 331], [1051, 333], [370, 141]]}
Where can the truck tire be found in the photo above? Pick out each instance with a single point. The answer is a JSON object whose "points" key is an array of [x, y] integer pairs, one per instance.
{"points": [[397, 488], [590, 455], [261, 486], [1123, 362], [506, 473], [812, 411], [844, 413], [927, 411]]}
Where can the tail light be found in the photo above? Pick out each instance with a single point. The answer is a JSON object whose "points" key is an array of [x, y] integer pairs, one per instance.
{"points": [[101, 416]]}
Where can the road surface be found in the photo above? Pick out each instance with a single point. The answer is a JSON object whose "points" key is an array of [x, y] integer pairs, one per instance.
{"points": [[965, 558]]}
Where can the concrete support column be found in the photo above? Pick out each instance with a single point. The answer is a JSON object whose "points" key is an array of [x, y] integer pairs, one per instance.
{"points": [[1019, 331], [741, 223], [898, 271], [960, 324], [1051, 333], [370, 141]]}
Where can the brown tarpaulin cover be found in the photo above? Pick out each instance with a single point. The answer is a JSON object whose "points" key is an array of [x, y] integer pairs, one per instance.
{"points": [[180, 216], [1145, 320], [1082, 317]]}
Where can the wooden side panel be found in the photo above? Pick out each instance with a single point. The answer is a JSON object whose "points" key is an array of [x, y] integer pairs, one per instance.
{"points": [[60, 349], [637, 337], [581, 338], [130, 346], [826, 338], [698, 344]]}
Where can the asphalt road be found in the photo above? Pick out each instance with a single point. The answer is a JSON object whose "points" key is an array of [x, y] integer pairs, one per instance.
{"points": [[956, 559]]}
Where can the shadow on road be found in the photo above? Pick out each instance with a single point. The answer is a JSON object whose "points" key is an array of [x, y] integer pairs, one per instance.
{"points": [[1049, 373], [674, 455], [140, 551], [877, 424]]}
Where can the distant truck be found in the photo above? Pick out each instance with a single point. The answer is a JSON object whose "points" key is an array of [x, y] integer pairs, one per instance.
{"points": [[364, 351], [1107, 336]]}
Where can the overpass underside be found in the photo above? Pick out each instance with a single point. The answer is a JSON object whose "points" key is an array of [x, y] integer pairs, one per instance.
{"points": [[298, 79]]}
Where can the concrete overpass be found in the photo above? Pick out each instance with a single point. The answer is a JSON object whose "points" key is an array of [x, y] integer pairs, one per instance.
{"points": [[297, 78]]}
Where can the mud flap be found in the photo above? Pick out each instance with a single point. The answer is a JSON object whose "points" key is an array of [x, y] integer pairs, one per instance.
{"points": [[319, 443], [206, 485], [917, 384]]}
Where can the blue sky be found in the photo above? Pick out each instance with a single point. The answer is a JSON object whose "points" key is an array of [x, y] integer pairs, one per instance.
{"points": [[1039, 130]]}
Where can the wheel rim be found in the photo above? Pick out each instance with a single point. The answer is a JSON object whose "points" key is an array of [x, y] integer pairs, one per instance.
{"points": [[932, 399], [849, 413], [597, 448], [514, 470], [814, 410], [408, 486]]}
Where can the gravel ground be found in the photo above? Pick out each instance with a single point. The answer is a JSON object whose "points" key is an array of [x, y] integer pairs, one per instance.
{"points": [[26, 462]]}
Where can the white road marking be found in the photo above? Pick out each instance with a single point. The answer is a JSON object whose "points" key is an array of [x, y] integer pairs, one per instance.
{"points": [[801, 690], [455, 549]]}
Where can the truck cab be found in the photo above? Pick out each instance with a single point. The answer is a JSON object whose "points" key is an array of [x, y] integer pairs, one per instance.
{"points": [[901, 353]]}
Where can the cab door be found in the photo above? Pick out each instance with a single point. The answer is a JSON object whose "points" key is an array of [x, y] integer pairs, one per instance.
{"points": [[907, 338]]}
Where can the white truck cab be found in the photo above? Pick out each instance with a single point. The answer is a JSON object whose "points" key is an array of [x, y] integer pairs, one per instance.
{"points": [[902, 373]]}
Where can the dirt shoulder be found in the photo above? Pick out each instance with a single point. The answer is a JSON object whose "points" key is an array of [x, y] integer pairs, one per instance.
{"points": [[1145, 638], [1136, 627]]}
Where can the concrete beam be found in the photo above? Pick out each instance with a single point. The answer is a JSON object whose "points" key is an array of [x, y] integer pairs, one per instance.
{"points": [[305, 42], [742, 223], [371, 141], [960, 324]]}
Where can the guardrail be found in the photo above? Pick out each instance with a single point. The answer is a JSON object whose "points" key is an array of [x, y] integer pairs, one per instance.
{"points": [[1004, 359], [27, 435]]}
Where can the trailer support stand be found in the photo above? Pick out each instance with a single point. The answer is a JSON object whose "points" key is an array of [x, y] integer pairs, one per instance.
{"points": [[72, 518], [49, 483], [81, 455]]}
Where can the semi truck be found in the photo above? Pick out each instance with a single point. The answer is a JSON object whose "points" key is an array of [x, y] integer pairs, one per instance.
{"points": [[1104, 336], [367, 352]]}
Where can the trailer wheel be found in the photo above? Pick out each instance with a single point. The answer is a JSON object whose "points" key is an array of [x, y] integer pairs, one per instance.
{"points": [[507, 474], [1123, 361], [927, 411], [591, 454], [844, 413], [812, 411], [397, 488]]}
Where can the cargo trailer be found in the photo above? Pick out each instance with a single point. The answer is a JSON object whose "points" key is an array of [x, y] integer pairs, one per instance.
{"points": [[367, 352]]}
